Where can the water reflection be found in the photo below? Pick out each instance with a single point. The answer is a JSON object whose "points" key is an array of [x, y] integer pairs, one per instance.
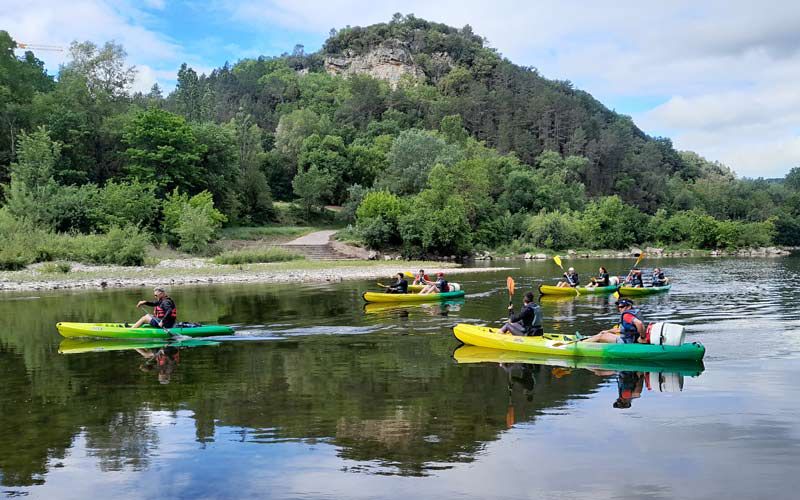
{"points": [[632, 377]]}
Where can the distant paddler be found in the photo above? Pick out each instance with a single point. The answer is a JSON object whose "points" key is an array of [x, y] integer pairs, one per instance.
{"points": [[165, 312], [399, 286], [602, 279], [570, 279], [421, 278], [659, 278]]}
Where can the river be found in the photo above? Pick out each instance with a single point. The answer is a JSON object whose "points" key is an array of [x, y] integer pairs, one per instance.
{"points": [[316, 397]]}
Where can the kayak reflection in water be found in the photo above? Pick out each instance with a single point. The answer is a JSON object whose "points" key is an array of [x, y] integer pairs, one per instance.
{"points": [[163, 359], [526, 380], [630, 385]]}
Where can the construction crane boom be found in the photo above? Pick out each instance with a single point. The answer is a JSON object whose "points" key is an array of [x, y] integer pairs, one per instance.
{"points": [[33, 46]]}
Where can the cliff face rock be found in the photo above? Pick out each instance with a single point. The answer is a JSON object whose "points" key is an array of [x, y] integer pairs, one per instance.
{"points": [[389, 61]]}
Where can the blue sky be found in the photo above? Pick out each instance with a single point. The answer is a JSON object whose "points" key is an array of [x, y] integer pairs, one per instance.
{"points": [[717, 77]]}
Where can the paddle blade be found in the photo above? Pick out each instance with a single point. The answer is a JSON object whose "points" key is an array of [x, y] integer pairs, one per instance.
{"points": [[641, 257], [408, 274], [557, 260], [510, 285]]}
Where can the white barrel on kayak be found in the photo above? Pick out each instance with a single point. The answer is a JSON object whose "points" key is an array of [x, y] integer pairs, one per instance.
{"points": [[455, 287], [666, 333]]}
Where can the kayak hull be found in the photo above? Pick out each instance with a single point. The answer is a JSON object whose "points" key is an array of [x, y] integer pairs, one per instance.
{"points": [[120, 331], [564, 345], [638, 292], [410, 297], [467, 354], [565, 290]]}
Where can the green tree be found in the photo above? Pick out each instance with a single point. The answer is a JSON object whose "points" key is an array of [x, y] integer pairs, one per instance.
{"points": [[413, 154], [163, 149], [312, 188]]}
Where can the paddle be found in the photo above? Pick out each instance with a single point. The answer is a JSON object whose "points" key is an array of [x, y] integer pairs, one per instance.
{"points": [[510, 285], [638, 259], [557, 260]]}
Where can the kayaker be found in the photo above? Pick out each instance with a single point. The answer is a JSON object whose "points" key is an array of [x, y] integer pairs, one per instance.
{"points": [[421, 278], [528, 322], [630, 330], [635, 279], [438, 286], [572, 279], [602, 279], [399, 286], [659, 278], [630, 385], [164, 310]]}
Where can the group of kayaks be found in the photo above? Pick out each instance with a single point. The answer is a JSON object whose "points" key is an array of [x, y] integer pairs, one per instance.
{"points": [[628, 291], [481, 336]]}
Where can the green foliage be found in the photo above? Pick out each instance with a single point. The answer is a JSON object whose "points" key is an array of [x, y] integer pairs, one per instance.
{"points": [[313, 188], [56, 267], [557, 230], [163, 149], [192, 222], [413, 154], [436, 230], [125, 203], [377, 219], [610, 223], [272, 254]]}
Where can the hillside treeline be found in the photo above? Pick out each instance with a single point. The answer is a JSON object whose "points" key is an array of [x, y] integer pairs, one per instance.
{"points": [[478, 153]]}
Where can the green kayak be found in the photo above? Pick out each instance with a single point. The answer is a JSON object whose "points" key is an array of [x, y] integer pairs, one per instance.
{"points": [[566, 290], [123, 331], [565, 345], [630, 291]]}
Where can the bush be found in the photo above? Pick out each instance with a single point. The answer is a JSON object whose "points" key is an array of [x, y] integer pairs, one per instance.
{"points": [[191, 222], [254, 256], [555, 230], [377, 219], [443, 231], [56, 267], [610, 223], [123, 246]]}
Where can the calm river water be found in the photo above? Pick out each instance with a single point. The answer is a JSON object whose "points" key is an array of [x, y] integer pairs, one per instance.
{"points": [[316, 397]]}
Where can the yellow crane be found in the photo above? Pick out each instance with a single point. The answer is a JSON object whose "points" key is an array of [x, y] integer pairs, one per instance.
{"points": [[33, 46]]}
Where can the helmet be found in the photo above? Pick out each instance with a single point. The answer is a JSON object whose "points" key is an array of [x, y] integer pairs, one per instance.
{"points": [[623, 303]]}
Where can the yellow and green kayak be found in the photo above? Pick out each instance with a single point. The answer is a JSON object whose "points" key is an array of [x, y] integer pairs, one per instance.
{"points": [[474, 354], [566, 290], [565, 345], [123, 331], [79, 346], [410, 297], [630, 291]]}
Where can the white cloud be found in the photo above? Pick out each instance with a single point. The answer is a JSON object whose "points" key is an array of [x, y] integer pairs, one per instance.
{"points": [[60, 23], [720, 64]]}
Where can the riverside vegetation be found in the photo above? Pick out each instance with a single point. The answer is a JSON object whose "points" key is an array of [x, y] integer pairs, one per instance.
{"points": [[460, 151]]}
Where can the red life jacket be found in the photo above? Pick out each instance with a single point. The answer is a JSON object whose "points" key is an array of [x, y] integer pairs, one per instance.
{"points": [[158, 311]]}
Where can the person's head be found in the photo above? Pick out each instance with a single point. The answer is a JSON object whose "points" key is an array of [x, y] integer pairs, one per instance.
{"points": [[528, 298], [400, 276], [622, 403], [571, 270], [657, 270], [440, 274], [159, 292], [624, 304], [636, 270], [603, 269], [421, 272]]}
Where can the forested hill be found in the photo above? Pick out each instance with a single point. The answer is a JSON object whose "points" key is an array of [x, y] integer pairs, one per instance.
{"points": [[432, 141]]}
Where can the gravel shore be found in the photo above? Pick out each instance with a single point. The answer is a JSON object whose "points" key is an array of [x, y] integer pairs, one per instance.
{"points": [[199, 271]]}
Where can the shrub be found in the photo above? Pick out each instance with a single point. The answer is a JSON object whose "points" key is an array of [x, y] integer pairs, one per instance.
{"points": [[444, 231], [191, 222], [377, 219], [254, 256], [56, 267], [555, 230], [613, 224]]}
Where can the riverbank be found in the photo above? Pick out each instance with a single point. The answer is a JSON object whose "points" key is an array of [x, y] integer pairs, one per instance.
{"points": [[203, 271], [651, 252]]}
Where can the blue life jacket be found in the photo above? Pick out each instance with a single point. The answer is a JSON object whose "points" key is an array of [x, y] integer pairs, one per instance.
{"points": [[573, 280], [627, 330]]}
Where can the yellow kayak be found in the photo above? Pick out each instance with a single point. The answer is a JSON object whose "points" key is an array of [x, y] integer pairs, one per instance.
{"points": [[566, 290], [410, 297]]}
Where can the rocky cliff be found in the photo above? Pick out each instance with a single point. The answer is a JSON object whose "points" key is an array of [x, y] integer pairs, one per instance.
{"points": [[389, 61]]}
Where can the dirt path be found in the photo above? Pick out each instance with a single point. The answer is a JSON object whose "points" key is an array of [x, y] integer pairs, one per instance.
{"points": [[315, 238]]}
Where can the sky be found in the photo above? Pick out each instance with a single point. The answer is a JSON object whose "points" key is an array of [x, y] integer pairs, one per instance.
{"points": [[717, 77]]}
